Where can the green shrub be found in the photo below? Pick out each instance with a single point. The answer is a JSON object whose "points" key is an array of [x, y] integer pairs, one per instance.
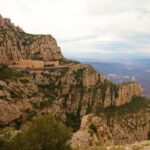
{"points": [[25, 81], [8, 73], [44, 133], [6, 134]]}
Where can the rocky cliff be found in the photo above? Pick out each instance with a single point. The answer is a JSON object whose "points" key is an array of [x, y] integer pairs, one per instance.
{"points": [[114, 126], [15, 44], [69, 91]]}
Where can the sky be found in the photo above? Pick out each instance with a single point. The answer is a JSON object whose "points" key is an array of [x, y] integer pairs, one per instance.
{"points": [[87, 28]]}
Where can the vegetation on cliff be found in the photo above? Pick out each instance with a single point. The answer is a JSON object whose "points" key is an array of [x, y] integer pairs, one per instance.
{"points": [[44, 133], [8, 73], [135, 105]]}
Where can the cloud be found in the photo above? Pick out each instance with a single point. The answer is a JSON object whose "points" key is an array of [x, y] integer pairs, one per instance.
{"points": [[104, 26]]}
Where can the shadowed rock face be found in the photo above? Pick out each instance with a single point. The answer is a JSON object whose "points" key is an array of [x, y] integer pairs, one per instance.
{"points": [[69, 91], [15, 44]]}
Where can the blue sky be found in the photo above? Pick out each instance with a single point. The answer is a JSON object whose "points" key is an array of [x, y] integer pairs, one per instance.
{"points": [[84, 27]]}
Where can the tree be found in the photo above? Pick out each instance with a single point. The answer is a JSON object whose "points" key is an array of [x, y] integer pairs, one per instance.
{"points": [[44, 133]]}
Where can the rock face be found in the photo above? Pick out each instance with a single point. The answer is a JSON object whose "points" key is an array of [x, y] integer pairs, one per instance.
{"points": [[63, 93], [130, 128], [126, 91], [9, 112], [16, 45], [119, 130], [71, 91], [92, 130]]}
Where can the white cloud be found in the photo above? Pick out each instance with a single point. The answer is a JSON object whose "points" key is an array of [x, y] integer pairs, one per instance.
{"points": [[86, 25]]}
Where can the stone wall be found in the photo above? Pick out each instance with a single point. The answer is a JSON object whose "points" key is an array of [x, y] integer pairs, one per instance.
{"points": [[32, 64]]}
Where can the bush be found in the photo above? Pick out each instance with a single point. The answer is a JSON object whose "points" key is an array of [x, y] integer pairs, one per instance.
{"points": [[44, 133], [6, 134], [135, 105], [8, 73]]}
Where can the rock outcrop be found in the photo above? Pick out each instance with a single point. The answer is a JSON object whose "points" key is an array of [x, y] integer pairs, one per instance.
{"points": [[126, 91], [9, 113], [16, 45], [92, 131], [115, 130]]}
